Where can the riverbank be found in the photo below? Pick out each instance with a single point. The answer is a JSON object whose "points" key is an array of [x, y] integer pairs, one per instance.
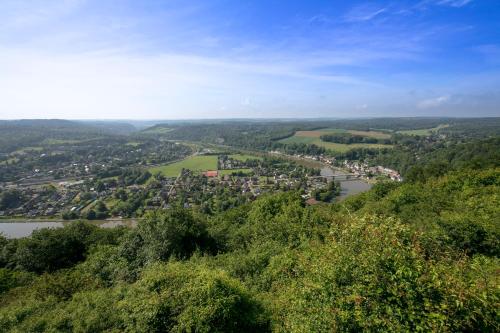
{"points": [[18, 229], [57, 219]]}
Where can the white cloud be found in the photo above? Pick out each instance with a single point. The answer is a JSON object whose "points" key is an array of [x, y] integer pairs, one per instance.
{"points": [[454, 3], [433, 102], [92, 59], [364, 12], [115, 85]]}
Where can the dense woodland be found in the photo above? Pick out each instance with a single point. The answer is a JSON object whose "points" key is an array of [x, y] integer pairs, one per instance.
{"points": [[422, 255], [15, 134], [262, 135], [348, 139], [436, 158]]}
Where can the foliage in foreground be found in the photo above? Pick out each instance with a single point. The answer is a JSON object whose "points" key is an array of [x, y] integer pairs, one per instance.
{"points": [[411, 257]]}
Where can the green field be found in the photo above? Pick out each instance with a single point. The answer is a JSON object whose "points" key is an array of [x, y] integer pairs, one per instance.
{"points": [[300, 139], [133, 144], [425, 131], [244, 157], [88, 206], [111, 202], [26, 149], [323, 131], [158, 130], [61, 141], [194, 163], [10, 160], [313, 137]]}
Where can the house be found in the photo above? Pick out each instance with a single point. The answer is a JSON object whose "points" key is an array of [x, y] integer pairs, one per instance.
{"points": [[211, 173]]}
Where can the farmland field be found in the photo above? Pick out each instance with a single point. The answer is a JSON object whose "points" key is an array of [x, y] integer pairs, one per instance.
{"points": [[371, 134], [26, 149], [425, 131], [9, 161], [158, 130], [193, 163], [313, 137], [318, 133], [62, 142]]}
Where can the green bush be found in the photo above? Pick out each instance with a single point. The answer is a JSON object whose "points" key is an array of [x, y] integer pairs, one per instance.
{"points": [[173, 233], [372, 275], [48, 250], [178, 297], [171, 297]]}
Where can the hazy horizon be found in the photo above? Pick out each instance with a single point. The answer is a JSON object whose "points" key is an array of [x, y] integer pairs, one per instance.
{"points": [[218, 59], [247, 119]]}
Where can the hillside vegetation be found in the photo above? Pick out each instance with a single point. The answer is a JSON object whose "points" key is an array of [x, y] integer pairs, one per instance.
{"points": [[15, 134], [418, 256]]}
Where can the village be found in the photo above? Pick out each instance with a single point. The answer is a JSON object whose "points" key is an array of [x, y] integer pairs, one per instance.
{"points": [[357, 168], [232, 183], [54, 182], [363, 170]]}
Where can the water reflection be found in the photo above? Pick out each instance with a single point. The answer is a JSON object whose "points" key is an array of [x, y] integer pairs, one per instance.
{"points": [[17, 229], [352, 187], [348, 187], [23, 229]]}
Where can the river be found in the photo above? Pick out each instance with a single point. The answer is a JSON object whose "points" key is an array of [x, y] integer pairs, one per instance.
{"points": [[348, 187], [22, 228], [352, 187]]}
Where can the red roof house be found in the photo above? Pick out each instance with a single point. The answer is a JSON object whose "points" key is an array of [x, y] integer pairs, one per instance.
{"points": [[211, 173]]}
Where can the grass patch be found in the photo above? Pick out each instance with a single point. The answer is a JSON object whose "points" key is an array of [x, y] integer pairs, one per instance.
{"points": [[27, 149], [111, 202], [424, 131], [244, 157], [10, 161], [60, 141], [88, 207], [158, 130], [300, 139], [371, 134], [338, 147], [193, 163], [318, 133]]}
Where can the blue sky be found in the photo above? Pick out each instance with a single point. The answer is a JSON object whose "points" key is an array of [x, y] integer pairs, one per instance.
{"points": [[170, 59]]}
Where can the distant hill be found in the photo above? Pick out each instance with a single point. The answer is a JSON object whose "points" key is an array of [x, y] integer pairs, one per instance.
{"points": [[262, 134], [15, 134], [52, 123], [113, 127]]}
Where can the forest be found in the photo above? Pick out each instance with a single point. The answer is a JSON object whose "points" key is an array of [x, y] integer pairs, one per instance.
{"points": [[347, 138], [418, 256]]}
